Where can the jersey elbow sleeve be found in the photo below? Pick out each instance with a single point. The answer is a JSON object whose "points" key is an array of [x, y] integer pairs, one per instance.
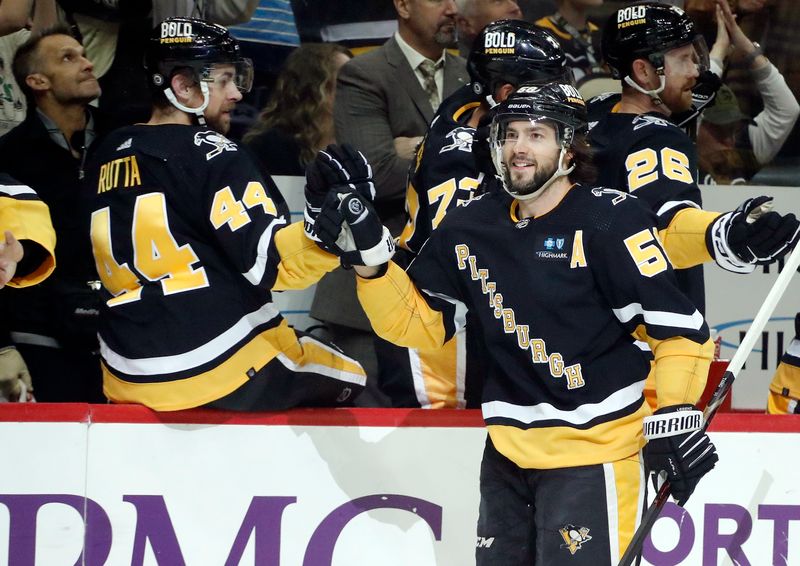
{"points": [[30, 220], [684, 238], [302, 262], [398, 312]]}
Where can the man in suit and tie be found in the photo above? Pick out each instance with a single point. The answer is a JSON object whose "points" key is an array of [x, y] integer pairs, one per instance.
{"points": [[385, 100]]}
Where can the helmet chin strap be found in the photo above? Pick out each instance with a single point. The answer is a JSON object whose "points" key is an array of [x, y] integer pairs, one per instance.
{"points": [[197, 111], [560, 172], [653, 94]]}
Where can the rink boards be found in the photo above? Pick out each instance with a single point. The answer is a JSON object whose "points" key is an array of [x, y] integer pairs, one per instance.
{"points": [[385, 487]]}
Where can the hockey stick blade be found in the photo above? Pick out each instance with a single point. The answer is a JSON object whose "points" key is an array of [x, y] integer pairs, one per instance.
{"points": [[723, 388]]}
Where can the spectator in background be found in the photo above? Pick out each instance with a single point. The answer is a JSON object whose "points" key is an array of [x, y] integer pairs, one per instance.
{"points": [[773, 24], [113, 32], [267, 39], [54, 323], [14, 17], [298, 119], [579, 38], [474, 15], [733, 148], [386, 97], [385, 100]]}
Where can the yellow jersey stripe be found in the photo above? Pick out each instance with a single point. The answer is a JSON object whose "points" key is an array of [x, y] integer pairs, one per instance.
{"points": [[628, 480], [562, 446], [233, 372], [412, 208], [435, 375]]}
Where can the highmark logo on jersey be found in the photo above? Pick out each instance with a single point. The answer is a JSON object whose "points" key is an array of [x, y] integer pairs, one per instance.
{"points": [[552, 248]]}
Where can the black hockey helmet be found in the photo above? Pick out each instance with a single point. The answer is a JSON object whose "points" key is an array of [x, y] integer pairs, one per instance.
{"points": [[178, 43], [559, 104], [515, 52], [647, 30]]}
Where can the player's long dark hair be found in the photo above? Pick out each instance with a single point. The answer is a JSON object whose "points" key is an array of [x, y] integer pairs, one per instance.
{"points": [[585, 171], [301, 104]]}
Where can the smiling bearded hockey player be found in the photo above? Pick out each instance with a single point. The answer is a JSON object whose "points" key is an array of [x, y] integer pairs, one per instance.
{"points": [[446, 174], [558, 276], [189, 242]]}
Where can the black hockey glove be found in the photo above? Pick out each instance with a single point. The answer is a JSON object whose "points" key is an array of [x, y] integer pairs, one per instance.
{"points": [[338, 168], [349, 227], [751, 235], [678, 449], [703, 94]]}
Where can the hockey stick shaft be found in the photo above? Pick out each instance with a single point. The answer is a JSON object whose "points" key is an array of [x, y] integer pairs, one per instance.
{"points": [[722, 390]]}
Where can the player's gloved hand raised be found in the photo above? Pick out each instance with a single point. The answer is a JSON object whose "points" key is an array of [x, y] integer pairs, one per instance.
{"points": [[678, 448], [338, 168], [349, 227], [14, 377], [751, 235]]}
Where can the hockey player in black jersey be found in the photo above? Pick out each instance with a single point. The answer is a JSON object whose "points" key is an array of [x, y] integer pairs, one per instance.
{"points": [[654, 49], [445, 175], [189, 241], [656, 52], [564, 281]]}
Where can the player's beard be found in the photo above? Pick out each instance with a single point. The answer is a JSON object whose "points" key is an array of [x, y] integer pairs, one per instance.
{"points": [[540, 177], [221, 121]]}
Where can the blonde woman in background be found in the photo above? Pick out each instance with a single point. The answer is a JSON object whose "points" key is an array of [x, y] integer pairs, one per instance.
{"points": [[298, 119]]}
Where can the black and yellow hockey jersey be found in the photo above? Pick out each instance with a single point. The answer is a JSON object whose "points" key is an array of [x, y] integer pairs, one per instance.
{"points": [[556, 299], [581, 47], [444, 174], [27, 218], [189, 242], [648, 155]]}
